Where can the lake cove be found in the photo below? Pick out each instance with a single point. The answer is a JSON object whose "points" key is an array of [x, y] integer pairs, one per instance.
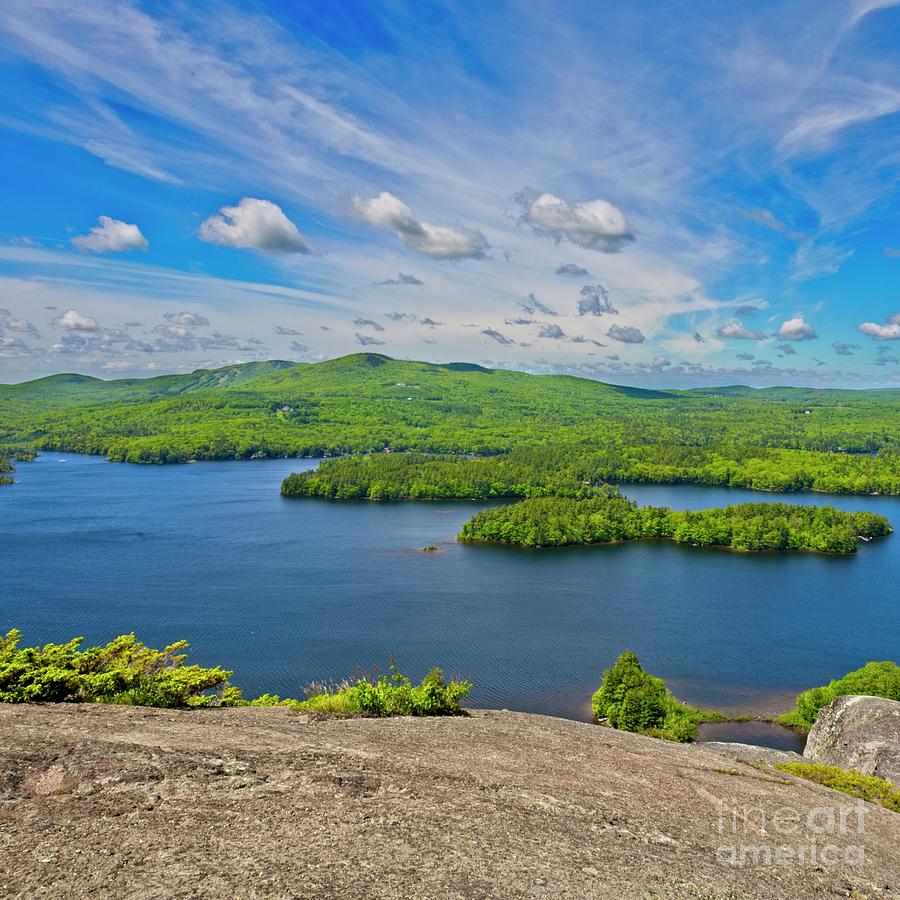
{"points": [[287, 591]]}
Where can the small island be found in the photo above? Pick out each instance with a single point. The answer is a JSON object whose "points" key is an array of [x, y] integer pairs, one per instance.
{"points": [[559, 521]]}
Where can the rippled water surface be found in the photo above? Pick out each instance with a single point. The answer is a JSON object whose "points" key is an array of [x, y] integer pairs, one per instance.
{"points": [[290, 591]]}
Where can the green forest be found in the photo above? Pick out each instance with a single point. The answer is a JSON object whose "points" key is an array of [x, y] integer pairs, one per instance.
{"points": [[774, 439], [560, 521]]}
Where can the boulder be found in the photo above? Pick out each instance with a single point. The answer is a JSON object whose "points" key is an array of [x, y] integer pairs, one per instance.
{"points": [[861, 733]]}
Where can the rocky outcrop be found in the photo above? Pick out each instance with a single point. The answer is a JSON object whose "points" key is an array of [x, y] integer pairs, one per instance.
{"points": [[113, 801], [857, 732]]}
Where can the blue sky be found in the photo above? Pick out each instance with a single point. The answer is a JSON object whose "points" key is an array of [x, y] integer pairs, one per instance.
{"points": [[661, 193]]}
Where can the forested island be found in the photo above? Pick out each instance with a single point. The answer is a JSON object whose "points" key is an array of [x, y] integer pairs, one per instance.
{"points": [[7, 456], [551, 429], [560, 521]]}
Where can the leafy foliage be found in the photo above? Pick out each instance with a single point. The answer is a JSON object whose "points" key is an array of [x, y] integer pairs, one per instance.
{"points": [[125, 671], [874, 679], [631, 699], [778, 439], [864, 787], [393, 695], [553, 522]]}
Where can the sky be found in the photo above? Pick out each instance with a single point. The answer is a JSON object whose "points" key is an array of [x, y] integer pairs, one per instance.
{"points": [[657, 193]]}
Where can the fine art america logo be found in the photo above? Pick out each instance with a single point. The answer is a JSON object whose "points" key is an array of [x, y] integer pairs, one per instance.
{"points": [[789, 837]]}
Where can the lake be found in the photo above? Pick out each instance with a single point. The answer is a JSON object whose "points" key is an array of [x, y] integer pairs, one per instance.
{"points": [[287, 592]]}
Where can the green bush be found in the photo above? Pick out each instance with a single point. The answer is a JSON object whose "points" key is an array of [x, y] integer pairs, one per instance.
{"points": [[875, 679], [631, 699], [865, 787], [125, 671], [393, 695]]}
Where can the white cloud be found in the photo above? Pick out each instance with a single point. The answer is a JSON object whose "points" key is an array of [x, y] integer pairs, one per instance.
{"points": [[254, 225], [797, 329], [194, 320], [74, 321], [440, 241], [890, 331], [737, 331], [592, 224], [111, 236]]}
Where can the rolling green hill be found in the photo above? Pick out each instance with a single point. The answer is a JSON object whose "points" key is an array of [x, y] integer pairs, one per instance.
{"points": [[776, 439]]}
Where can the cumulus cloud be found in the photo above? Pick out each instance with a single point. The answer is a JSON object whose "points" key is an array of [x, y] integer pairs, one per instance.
{"points": [[797, 329], [429, 322], [889, 331], [748, 310], [746, 356], [532, 305], [366, 340], [283, 329], [9, 322], [592, 224], [439, 241], [368, 323], [626, 334], [111, 236], [885, 357], [495, 335], [193, 320], [254, 225], [572, 270], [401, 279], [595, 301], [737, 331], [843, 349], [82, 334], [10, 347], [786, 350], [660, 362], [297, 347], [73, 320]]}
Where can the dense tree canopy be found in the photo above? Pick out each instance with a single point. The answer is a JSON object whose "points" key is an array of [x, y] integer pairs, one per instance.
{"points": [[778, 439], [556, 521]]}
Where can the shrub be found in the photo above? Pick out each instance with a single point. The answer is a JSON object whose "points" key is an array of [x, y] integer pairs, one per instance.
{"points": [[875, 679], [864, 787], [393, 695], [631, 699], [125, 671]]}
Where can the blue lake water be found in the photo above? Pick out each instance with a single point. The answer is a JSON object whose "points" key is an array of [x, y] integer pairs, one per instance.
{"points": [[286, 592]]}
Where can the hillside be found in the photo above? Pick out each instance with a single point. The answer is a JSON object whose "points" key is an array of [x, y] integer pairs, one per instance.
{"points": [[368, 402]]}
